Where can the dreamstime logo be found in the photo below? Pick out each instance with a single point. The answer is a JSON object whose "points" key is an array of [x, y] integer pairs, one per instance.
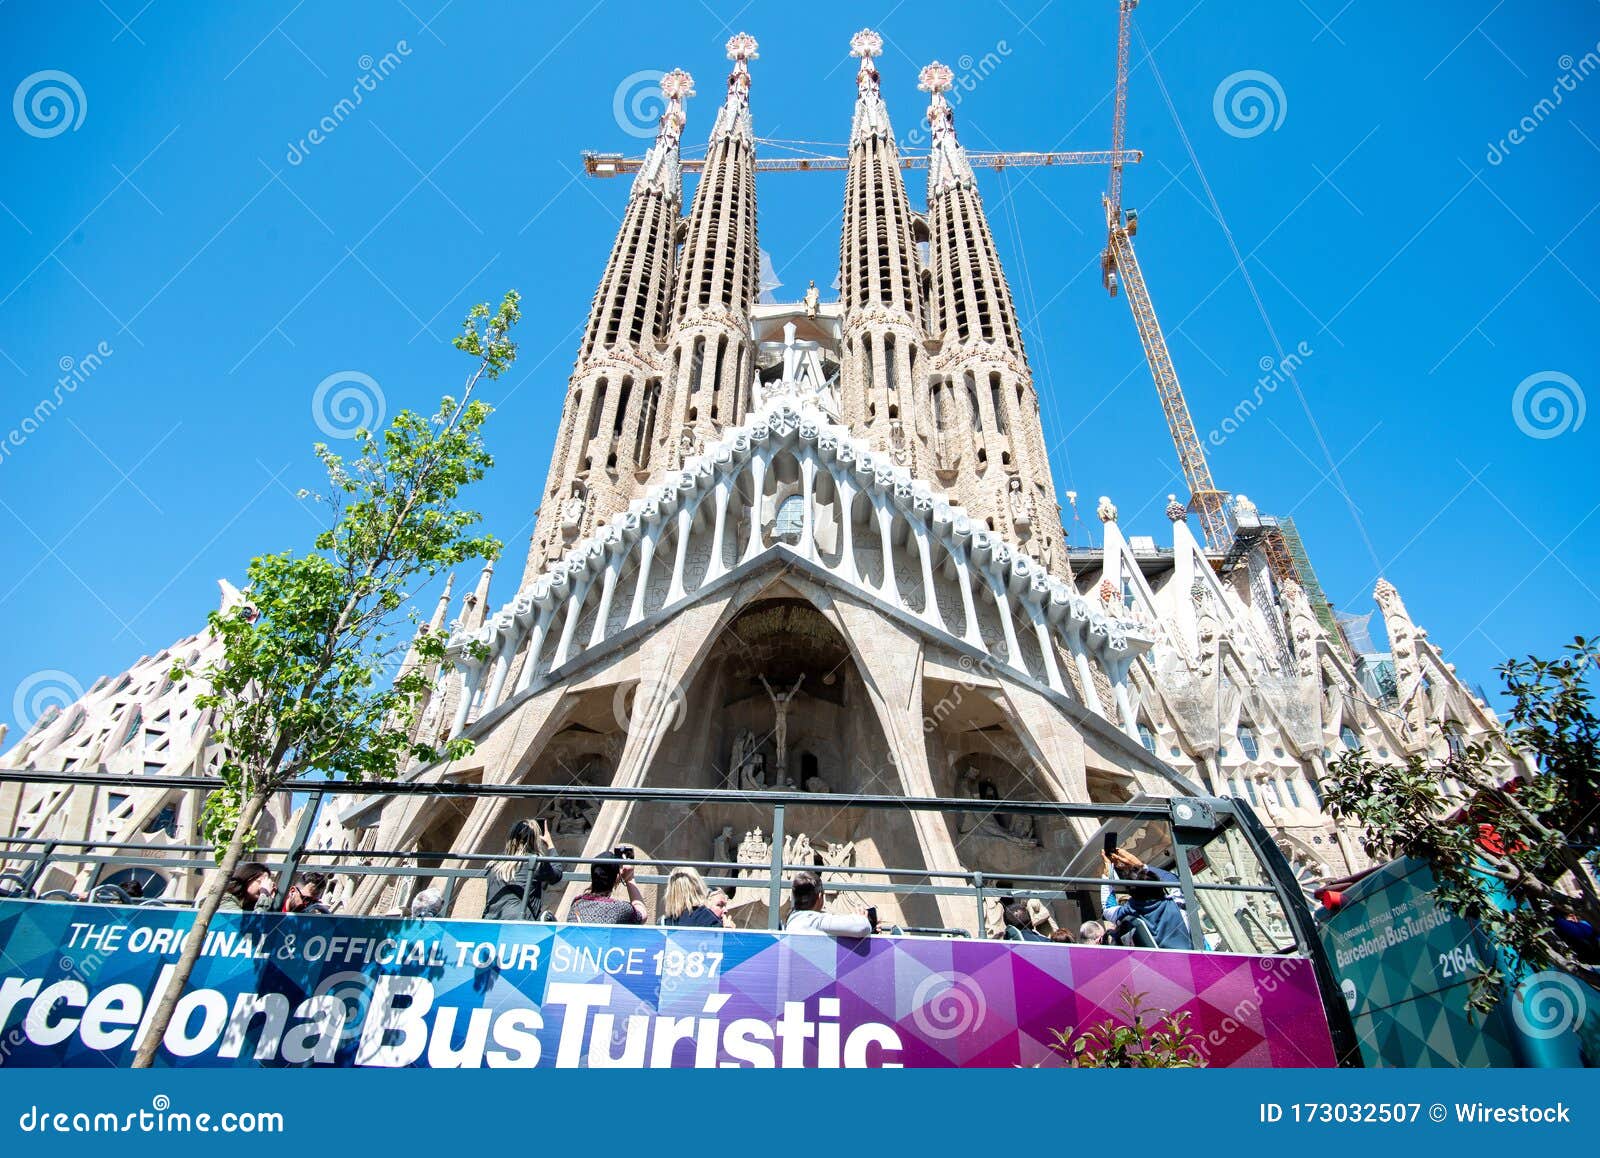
{"points": [[40, 693], [74, 373], [48, 103], [1548, 404], [1550, 1003], [373, 73], [1573, 73], [639, 102], [945, 1005], [354, 991], [1248, 103], [347, 401], [1274, 373], [651, 698], [973, 71]]}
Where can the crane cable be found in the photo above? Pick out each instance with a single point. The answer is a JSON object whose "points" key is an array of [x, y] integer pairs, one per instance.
{"points": [[1012, 218], [1283, 364]]}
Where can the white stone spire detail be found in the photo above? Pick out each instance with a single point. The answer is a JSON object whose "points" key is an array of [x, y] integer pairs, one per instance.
{"points": [[661, 171], [872, 117], [733, 119], [947, 163]]}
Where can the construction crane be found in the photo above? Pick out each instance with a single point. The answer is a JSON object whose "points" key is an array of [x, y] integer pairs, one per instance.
{"points": [[614, 164], [1119, 266], [1205, 500]]}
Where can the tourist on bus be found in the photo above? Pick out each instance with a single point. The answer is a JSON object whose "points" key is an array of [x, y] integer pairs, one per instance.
{"points": [[1093, 933], [717, 901], [427, 905], [806, 915], [1149, 905], [1019, 923], [598, 906], [686, 901], [250, 887], [305, 895], [517, 884]]}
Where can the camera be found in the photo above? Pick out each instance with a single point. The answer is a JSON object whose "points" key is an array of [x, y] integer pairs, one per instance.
{"points": [[622, 852]]}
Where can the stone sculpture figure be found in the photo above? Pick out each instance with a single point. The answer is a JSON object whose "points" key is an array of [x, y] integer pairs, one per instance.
{"points": [[780, 726], [752, 775], [797, 850], [744, 751], [723, 849], [1017, 499], [972, 786], [755, 851]]}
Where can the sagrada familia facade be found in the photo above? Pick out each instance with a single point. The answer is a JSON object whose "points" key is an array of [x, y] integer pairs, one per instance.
{"points": [[816, 546]]}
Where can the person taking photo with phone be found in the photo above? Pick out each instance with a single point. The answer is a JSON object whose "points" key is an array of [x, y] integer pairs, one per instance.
{"points": [[598, 906]]}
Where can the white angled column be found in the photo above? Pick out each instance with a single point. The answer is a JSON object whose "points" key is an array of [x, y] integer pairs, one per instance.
{"points": [[570, 626], [541, 621], [930, 602], [964, 581], [675, 589], [719, 527], [808, 477], [888, 588], [1002, 606], [608, 588], [647, 554], [847, 504], [1041, 630], [758, 480], [497, 676]]}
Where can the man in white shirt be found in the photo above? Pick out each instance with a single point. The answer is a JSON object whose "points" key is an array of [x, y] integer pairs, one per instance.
{"points": [[806, 915]]}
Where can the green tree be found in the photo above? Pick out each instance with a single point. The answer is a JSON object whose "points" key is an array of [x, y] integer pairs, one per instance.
{"points": [[1140, 1041], [1515, 851], [300, 688]]}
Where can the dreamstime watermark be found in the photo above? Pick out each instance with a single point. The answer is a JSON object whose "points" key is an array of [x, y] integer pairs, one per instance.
{"points": [[948, 1005], [1548, 404], [1549, 1004], [48, 103], [1248, 103], [40, 693], [373, 73], [160, 1118], [639, 102], [1247, 1012], [347, 401], [74, 373], [1573, 73], [652, 698], [969, 73], [1274, 373]]}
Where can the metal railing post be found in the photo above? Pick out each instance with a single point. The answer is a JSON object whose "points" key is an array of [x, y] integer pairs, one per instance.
{"points": [[297, 843], [775, 886], [37, 871], [977, 885]]}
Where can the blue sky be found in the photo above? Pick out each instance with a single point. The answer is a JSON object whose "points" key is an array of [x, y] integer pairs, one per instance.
{"points": [[1429, 264]]}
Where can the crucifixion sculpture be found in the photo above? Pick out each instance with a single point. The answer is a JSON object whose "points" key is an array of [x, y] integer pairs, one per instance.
{"points": [[780, 726]]}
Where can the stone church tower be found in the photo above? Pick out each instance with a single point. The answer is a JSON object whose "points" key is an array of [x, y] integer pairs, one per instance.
{"points": [[816, 546]]}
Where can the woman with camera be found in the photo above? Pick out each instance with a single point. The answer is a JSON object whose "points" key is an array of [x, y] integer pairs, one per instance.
{"points": [[517, 884], [598, 907]]}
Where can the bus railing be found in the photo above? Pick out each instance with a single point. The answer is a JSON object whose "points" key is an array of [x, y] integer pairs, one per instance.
{"points": [[27, 859]]}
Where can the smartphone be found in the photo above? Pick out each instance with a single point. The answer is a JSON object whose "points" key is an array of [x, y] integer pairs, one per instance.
{"points": [[872, 917], [1111, 843], [622, 851]]}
